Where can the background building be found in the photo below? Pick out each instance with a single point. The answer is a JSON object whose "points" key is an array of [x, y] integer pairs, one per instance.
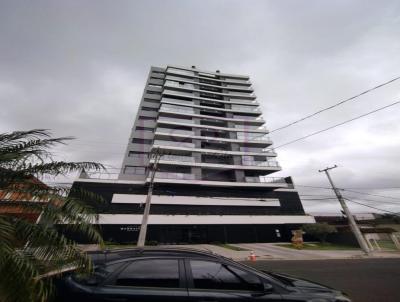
{"points": [[212, 181]]}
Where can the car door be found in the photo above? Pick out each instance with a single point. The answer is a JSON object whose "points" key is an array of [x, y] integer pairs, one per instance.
{"points": [[149, 279], [213, 281]]}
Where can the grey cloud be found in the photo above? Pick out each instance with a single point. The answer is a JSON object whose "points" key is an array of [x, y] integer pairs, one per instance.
{"points": [[78, 67]]}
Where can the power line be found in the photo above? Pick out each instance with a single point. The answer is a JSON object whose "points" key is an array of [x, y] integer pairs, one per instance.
{"points": [[335, 105], [365, 205], [340, 124], [363, 193], [380, 201]]}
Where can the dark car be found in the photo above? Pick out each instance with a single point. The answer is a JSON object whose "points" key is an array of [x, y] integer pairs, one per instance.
{"points": [[160, 274]]}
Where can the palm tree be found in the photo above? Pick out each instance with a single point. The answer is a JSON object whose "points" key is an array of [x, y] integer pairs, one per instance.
{"points": [[29, 250]]}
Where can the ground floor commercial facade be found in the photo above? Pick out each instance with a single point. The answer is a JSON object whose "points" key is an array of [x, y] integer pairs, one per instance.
{"points": [[196, 234], [184, 215]]}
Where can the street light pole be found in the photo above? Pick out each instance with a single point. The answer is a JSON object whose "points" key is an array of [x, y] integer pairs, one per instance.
{"points": [[353, 225], [156, 155]]}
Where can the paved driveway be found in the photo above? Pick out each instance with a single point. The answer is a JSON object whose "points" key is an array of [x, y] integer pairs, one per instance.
{"points": [[271, 251]]}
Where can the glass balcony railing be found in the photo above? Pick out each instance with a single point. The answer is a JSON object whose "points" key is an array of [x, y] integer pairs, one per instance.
{"points": [[175, 131], [173, 144], [245, 101], [261, 163], [248, 118], [254, 137], [249, 128], [265, 179], [256, 150], [172, 175], [238, 81], [237, 86], [280, 181], [242, 93], [178, 85], [180, 71], [174, 120], [183, 102], [179, 158], [180, 93], [172, 108], [245, 108]]}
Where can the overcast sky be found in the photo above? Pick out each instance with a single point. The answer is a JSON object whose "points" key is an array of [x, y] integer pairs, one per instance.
{"points": [[79, 68]]}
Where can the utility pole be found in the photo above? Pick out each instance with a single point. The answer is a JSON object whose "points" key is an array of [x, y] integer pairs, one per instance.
{"points": [[156, 155], [355, 229]]}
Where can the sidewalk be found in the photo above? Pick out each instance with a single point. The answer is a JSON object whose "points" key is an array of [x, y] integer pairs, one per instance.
{"points": [[270, 251]]}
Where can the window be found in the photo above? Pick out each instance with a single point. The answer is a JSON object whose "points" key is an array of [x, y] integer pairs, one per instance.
{"points": [[150, 273], [141, 141], [134, 170], [137, 154], [213, 275], [149, 109], [139, 128], [153, 92], [147, 118], [152, 101]]}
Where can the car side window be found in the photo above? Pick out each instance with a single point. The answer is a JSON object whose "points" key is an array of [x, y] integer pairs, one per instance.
{"points": [[214, 275], [99, 274], [150, 273]]}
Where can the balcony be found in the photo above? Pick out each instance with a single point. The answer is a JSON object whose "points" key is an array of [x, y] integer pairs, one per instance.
{"points": [[174, 131], [180, 71], [242, 101], [183, 102], [178, 158], [251, 136], [265, 179], [176, 176], [245, 108], [173, 108], [257, 150], [261, 163], [248, 128], [259, 181], [248, 118], [173, 144], [238, 87], [241, 94], [174, 120], [175, 84], [179, 93]]}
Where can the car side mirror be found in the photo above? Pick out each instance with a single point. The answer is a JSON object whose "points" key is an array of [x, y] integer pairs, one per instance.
{"points": [[268, 288]]}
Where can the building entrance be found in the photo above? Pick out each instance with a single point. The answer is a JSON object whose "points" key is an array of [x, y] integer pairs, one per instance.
{"points": [[194, 234]]}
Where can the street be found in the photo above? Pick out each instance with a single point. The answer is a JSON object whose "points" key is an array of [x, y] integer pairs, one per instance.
{"points": [[364, 280]]}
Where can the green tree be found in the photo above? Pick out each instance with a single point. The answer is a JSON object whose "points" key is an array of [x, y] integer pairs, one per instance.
{"points": [[29, 250], [319, 230]]}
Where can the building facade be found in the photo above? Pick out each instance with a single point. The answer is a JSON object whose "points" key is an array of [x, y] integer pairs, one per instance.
{"points": [[212, 182]]}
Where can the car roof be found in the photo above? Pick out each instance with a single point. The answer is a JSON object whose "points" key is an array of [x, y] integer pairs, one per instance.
{"points": [[118, 254]]}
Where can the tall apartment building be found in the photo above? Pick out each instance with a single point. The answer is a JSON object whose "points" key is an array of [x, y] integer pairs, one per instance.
{"points": [[213, 180]]}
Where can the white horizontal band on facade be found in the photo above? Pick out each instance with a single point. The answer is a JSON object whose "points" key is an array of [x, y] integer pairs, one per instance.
{"points": [[192, 200], [205, 219]]}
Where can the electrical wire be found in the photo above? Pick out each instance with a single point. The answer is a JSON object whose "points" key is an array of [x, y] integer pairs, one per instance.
{"points": [[365, 205], [335, 105], [363, 193], [337, 125], [380, 201]]}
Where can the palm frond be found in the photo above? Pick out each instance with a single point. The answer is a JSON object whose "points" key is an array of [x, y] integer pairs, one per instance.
{"points": [[29, 250]]}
